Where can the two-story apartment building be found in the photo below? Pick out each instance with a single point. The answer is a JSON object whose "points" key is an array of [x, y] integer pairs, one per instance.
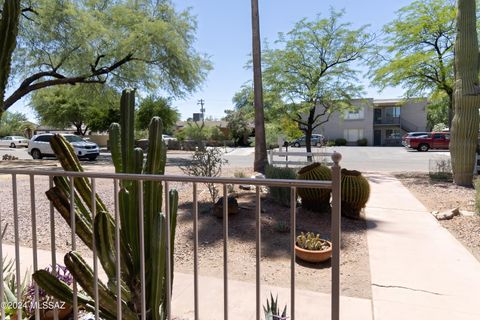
{"points": [[381, 121]]}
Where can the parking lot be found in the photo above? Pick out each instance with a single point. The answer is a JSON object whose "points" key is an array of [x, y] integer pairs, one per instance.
{"points": [[366, 159]]}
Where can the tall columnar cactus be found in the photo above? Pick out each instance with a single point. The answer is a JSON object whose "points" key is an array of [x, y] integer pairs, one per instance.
{"points": [[8, 31], [355, 193], [127, 159], [466, 96], [314, 198]]}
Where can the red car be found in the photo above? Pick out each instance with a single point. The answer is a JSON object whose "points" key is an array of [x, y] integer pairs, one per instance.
{"points": [[434, 140]]}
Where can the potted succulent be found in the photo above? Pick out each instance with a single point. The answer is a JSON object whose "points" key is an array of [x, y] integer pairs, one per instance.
{"points": [[311, 248]]}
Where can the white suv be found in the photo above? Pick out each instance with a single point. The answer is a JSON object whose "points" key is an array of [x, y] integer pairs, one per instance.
{"points": [[39, 146]]}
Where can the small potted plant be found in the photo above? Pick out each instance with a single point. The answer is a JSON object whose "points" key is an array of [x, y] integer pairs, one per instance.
{"points": [[311, 248]]}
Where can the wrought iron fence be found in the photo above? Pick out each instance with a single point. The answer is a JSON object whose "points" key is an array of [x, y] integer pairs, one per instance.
{"points": [[334, 185]]}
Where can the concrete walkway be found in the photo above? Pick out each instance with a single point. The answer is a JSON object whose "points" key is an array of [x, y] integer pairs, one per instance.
{"points": [[418, 269]]}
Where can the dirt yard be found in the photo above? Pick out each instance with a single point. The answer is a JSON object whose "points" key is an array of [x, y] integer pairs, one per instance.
{"points": [[444, 195], [355, 272]]}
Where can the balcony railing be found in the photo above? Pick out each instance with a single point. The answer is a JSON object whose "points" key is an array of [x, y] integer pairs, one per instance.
{"points": [[334, 185], [387, 121]]}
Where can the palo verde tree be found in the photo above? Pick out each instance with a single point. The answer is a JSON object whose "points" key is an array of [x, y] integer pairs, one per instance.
{"points": [[418, 54], [312, 71], [88, 107], [463, 142], [144, 44]]}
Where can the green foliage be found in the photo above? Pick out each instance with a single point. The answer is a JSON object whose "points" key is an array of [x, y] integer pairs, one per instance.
{"points": [[87, 107], [196, 132], [439, 127], [13, 123], [280, 195], [314, 68], [153, 106], [239, 174], [143, 44], [314, 198], [282, 226], [239, 125], [206, 163], [437, 111], [271, 310], [355, 193], [418, 54], [311, 241], [340, 142], [362, 142], [126, 159]]}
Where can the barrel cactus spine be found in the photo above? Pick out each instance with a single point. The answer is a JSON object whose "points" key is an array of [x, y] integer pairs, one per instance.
{"points": [[314, 198], [127, 159], [355, 193]]}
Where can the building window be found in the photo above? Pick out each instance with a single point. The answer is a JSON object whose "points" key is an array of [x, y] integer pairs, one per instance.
{"points": [[352, 135], [356, 114], [392, 112]]}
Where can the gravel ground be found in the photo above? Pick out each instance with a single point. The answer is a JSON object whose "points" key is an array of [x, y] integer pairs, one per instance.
{"points": [[355, 272], [441, 196]]}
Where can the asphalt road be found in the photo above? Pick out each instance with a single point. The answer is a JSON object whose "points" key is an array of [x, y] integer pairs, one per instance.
{"points": [[372, 159]]}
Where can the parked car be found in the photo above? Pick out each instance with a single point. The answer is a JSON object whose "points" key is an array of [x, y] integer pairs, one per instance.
{"points": [[434, 140], [39, 146], [13, 141], [317, 140], [413, 135], [168, 138]]}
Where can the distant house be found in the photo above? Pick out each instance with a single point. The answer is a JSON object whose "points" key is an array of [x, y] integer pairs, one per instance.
{"points": [[381, 121]]}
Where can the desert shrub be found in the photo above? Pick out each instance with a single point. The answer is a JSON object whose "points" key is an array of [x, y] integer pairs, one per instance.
{"points": [[280, 195], [340, 142], [282, 226], [440, 169], [362, 142], [9, 157], [206, 163], [239, 174]]}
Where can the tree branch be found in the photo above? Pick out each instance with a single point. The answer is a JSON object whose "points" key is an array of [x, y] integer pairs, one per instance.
{"points": [[29, 84]]}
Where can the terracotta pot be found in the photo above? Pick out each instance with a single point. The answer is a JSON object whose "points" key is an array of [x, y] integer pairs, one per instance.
{"points": [[314, 256]]}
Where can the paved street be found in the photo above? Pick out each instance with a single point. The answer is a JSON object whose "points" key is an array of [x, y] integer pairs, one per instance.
{"points": [[373, 159]]}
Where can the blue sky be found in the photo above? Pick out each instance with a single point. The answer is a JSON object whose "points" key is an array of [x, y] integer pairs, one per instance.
{"points": [[224, 34]]}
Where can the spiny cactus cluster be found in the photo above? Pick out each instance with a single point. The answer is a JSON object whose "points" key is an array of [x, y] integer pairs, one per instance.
{"points": [[127, 159], [310, 241]]}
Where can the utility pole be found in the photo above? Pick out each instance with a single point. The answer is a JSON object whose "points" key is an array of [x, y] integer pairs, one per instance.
{"points": [[201, 102]]}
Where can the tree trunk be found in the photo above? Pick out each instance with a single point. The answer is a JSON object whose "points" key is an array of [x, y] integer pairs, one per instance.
{"points": [[8, 29], [309, 131], [467, 101], [260, 143]]}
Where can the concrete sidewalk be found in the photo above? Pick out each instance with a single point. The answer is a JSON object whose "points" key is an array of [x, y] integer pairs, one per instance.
{"points": [[418, 269]]}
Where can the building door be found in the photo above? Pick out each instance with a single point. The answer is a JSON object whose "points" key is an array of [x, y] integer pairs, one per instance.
{"points": [[377, 137], [377, 116]]}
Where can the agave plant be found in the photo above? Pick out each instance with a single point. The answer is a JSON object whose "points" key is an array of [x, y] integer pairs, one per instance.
{"points": [[126, 159], [272, 312]]}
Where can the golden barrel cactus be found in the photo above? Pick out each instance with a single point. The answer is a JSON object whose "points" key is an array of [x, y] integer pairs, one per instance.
{"points": [[355, 193], [313, 198]]}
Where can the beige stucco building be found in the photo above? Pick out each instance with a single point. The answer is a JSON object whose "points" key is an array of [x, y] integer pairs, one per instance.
{"points": [[381, 121]]}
